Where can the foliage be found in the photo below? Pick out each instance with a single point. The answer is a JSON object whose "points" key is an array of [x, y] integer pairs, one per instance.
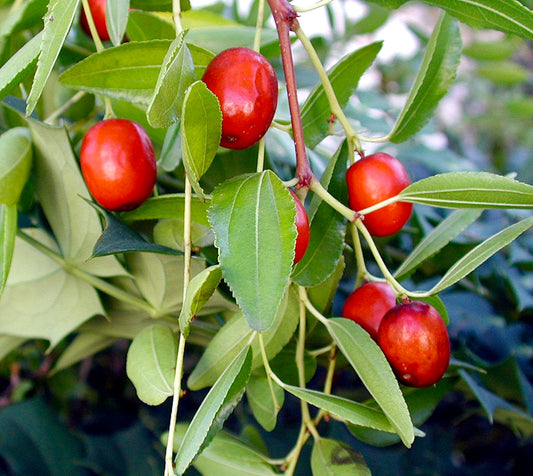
{"points": [[197, 287]]}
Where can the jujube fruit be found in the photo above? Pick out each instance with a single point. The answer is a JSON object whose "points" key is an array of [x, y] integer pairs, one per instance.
{"points": [[302, 228], [247, 89], [415, 341], [368, 304], [98, 12], [370, 181], [118, 164]]}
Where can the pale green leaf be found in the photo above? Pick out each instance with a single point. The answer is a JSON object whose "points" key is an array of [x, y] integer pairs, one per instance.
{"points": [[116, 19], [16, 157], [335, 458], [261, 402], [469, 190], [445, 232], [368, 361], [215, 409], [434, 78], [219, 38], [8, 344], [143, 26], [8, 232], [201, 130], [199, 290], [151, 363], [169, 232], [474, 258], [57, 22]]}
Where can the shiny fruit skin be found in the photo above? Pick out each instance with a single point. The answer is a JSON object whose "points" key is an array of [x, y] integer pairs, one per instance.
{"points": [[118, 164], [415, 341], [98, 11], [302, 228], [372, 180], [368, 304], [246, 86]]}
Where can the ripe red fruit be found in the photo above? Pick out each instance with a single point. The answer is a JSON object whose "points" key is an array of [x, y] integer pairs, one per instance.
{"points": [[302, 227], [98, 11], [372, 180], [368, 304], [247, 89], [415, 341], [118, 164]]}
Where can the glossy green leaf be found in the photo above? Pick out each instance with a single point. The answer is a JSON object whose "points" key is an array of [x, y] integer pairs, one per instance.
{"points": [[253, 220], [434, 78], [176, 75], [335, 458], [261, 402], [469, 190], [344, 77], [143, 26], [285, 367], [28, 14], [201, 130], [368, 361], [8, 232], [215, 408], [57, 22], [322, 295], [445, 232], [328, 227], [169, 233], [219, 38], [343, 408], [151, 363], [16, 157], [170, 156], [116, 19], [481, 253], [225, 453], [235, 334], [20, 64], [199, 290]]}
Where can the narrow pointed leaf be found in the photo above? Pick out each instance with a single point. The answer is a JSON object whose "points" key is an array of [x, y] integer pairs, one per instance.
{"points": [[368, 361], [253, 220], [344, 77], [434, 78], [176, 75], [57, 22], [335, 458], [151, 363], [201, 129], [117, 19], [8, 232], [481, 253], [214, 410], [469, 190], [445, 232], [199, 290]]}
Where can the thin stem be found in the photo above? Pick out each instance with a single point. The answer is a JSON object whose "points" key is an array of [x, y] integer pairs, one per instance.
{"points": [[98, 283], [187, 235], [336, 109], [92, 27], [176, 15], [60, 110], [269, 375], [261, 155], [175, 403], [310, 8], [362, 272], [316, 187], [294, 455], [312, 309], [259, 25]]}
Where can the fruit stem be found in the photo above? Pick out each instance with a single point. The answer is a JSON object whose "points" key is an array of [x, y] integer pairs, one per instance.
{"points": [[336, 110], [92, 27], [61, 109], [259, 25], [176, 15], [261, 156], [310, 8], [316, 187], [362, 272], [286, 20], [269, 373]]}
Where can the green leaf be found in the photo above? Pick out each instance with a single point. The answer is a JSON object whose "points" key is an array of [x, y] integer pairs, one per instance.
{"points": [[344, 409], [19, 65], [116, 19], [176, 75], [328, 227], [8, 344], [143, 26], [199, 290], [253, 220], [27, 14], [151, 363], [8, 232], [469, 190], [344, 77], [368, 361], [261, 402], [57, 22], [225, 453], [322, 295], [219, 38], [434, 78], [445, 232], [334, 458], [481, 253], [216, 407], [16, 157], [201, 130], [236, 333], [169, 233], [504, 72], [170, 156]]}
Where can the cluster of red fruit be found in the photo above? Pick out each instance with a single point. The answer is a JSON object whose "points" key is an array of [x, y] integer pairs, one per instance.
{"points": [[119, 167]]}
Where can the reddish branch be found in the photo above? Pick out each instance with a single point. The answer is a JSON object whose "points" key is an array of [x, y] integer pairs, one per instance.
{"points": [[286, 21]]}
